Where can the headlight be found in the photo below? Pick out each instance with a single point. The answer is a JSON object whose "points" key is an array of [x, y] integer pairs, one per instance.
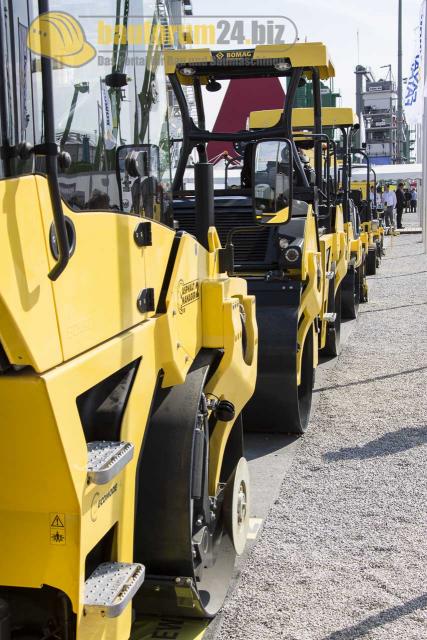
{"points": [[283, 66], [187, 71], [292, 255], [283, 243]]}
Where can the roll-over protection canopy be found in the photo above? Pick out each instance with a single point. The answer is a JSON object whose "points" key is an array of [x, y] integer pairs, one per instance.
{"points": [[259, 61]]}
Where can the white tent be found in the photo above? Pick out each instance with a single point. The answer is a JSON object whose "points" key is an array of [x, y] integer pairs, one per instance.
{"points": [[390, 172]]}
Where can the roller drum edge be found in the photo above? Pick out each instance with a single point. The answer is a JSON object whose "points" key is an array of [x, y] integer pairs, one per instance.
{"points": [[350, 294], [371, 262], [278, 404], [168, 534]]}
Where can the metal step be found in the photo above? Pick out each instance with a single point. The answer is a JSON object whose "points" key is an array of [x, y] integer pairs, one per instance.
{"points": [[112, 586], [107, 459], [330, 317]]}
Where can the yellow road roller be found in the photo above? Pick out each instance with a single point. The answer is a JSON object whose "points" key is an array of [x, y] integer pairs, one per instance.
{"points": [[351, 285], [354, 285], [127, 354], [276, 222], [369, 207]]}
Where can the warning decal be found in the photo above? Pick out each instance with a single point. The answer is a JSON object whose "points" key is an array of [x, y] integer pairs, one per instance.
{"points": [[169, 628], [57, 522], [57, 528]]}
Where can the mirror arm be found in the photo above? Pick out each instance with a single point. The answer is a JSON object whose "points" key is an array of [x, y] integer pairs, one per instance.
{"points": [[52, 162]]}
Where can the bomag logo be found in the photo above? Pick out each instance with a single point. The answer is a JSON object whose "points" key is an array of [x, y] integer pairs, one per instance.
{"points": [[98, 501], [188, 292], [234, 54], [239, 54]]}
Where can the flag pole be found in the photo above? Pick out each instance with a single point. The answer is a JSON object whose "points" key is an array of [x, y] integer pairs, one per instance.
{"points": [[399, 87], [423, 190]]}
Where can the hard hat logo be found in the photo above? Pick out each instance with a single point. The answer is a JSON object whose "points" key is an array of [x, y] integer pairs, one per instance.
{"points": [[59, 36]]}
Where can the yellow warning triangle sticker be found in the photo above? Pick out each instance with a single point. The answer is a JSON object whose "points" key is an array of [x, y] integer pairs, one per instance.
{"points": [[57, 522]]}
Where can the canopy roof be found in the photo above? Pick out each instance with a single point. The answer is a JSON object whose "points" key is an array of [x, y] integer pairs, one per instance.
{"points": [[259, 61], [389, 172], [304, 118]]}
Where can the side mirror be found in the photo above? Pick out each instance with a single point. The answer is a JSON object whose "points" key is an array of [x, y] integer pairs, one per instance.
{"points": [[138, 178], [272, 181]]}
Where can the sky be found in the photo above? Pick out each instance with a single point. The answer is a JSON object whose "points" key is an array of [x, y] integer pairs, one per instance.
{"points": [[336, 23]]}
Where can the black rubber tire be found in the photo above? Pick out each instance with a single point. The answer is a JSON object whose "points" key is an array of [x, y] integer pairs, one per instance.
{"points": [[371, 262], [173, 507], [305, 389], [279, 404], [332, 347], [379, 253], [363, 285], [350, 294]]}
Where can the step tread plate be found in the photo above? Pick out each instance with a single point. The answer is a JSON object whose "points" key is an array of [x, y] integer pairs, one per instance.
{"points": [[112, 586], [107, 459], [330, 317]]}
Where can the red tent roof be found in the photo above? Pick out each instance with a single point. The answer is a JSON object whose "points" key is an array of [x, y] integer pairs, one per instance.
{"points": [[242, 97]]}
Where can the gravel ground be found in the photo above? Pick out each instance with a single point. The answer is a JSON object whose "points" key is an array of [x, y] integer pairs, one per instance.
{"points": [[343, 553]]}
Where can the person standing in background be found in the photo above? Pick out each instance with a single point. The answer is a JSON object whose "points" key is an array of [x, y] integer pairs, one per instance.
{"points": [[372, 198], [380, 204], [400, 205], [389, 202], [407, 194], [414, 200]]}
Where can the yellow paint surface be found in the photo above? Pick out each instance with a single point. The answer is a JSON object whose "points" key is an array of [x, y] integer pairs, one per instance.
{"points": [[169, 629]]}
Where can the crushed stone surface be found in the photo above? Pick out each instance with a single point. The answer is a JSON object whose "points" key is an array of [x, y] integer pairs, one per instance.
{"points": [[343, 552]]}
